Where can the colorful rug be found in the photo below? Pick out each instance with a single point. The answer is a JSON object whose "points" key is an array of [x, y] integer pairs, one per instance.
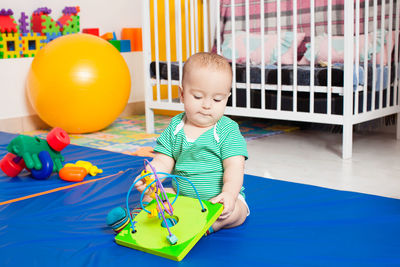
{"points": [[128, 134]]}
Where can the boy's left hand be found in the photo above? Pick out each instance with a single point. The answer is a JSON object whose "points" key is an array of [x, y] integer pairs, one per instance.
{"points": [[228, 201]]}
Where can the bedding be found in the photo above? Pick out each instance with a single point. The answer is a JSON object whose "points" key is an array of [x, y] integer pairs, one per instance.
{"points": [[270, 47], [303, 17], [321, 51]]}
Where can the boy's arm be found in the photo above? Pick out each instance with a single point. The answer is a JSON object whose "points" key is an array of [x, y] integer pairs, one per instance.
{"points": [[233, 181], [161, 163]]}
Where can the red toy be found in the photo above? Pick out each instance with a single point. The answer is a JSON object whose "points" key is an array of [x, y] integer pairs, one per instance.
{"points": [[12, 165], [7, 22], [93, 31]]}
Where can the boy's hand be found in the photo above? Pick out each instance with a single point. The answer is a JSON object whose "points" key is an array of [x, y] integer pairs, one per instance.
{"points": [[140, 185], [228, 201], [143, 183]]}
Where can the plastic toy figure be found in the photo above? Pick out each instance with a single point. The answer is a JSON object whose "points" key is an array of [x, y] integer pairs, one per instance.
{"points": [[40, 156]]}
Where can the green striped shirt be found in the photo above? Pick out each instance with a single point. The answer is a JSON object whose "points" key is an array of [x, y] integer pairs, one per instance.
{"points": [[201, 161]]}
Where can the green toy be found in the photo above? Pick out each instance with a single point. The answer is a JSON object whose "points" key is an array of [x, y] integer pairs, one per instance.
{"points": [[164, 228], [72, 26], [49, 25], [29, 147], [191, 225]]}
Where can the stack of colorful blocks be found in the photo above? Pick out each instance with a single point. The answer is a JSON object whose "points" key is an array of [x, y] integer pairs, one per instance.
{"points": [[131, 38], [17, 40], [27, 36]]}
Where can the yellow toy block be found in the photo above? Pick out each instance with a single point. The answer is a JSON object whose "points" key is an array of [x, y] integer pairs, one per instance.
{"points": [[10, 45], [89, 167], [32, 43], [153, 213]]}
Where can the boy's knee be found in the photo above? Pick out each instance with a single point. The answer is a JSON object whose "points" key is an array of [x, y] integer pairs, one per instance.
{"points": [[242, 212], [237, 217]]}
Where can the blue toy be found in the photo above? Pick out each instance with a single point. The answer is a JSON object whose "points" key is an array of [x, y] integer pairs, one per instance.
{"points": [[47, 166]]}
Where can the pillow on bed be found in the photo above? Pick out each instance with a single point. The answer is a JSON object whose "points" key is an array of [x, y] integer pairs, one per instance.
{"points": [[321, 51], [270, 47]]}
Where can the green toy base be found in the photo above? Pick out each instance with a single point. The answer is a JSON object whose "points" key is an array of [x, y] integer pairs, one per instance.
{"points": [[151, 237]]}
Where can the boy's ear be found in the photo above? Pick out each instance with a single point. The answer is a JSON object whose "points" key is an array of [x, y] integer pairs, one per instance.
{"points": [[180, 91]]}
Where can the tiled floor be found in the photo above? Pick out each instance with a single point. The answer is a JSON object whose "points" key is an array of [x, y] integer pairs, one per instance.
{"points": [[314, 157]]}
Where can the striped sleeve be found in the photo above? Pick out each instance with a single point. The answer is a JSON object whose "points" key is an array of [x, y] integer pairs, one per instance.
{"points": [[234, 143], [165, 141]]}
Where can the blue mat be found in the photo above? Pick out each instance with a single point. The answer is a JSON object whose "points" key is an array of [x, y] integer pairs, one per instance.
{"points": [[22, 185], [290, 224]]}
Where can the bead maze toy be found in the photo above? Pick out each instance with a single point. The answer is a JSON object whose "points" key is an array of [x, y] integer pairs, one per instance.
{"points": [[167, 228]]}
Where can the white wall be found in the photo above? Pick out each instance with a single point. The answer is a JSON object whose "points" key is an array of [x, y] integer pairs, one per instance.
{"points": [[108, 16]]}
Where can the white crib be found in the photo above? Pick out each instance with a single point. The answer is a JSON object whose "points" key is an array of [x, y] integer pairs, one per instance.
{"points": [[359, 96]]}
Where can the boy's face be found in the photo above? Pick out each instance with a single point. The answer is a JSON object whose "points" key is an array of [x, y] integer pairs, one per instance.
{"points": [[204, 94]]}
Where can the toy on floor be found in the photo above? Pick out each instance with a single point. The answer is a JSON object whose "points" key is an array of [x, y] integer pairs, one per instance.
{"points": [[41, 157], [89, 167], [165, 228], [77, 172], [72, 174], [79, 82]]}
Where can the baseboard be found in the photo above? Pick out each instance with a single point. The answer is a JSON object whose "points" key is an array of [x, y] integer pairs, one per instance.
{"points": [[33, 122], [22, 124], [136, 108]]}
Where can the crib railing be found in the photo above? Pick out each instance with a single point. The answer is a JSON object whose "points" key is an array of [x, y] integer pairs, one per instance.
{"points": [[195, 25]]}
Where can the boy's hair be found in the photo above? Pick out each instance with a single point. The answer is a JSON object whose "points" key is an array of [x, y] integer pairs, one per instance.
{"points": [[206, 59]]}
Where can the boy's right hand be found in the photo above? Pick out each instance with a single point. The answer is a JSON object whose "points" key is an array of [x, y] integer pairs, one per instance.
{"points": [[143, 183], [140, 185]]}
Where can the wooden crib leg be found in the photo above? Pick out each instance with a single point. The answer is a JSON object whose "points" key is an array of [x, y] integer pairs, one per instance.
{"points": [[347, 141], [149, 113]]}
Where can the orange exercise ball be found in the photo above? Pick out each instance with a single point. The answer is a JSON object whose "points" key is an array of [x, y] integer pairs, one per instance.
{"points": [[79, 82]]}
